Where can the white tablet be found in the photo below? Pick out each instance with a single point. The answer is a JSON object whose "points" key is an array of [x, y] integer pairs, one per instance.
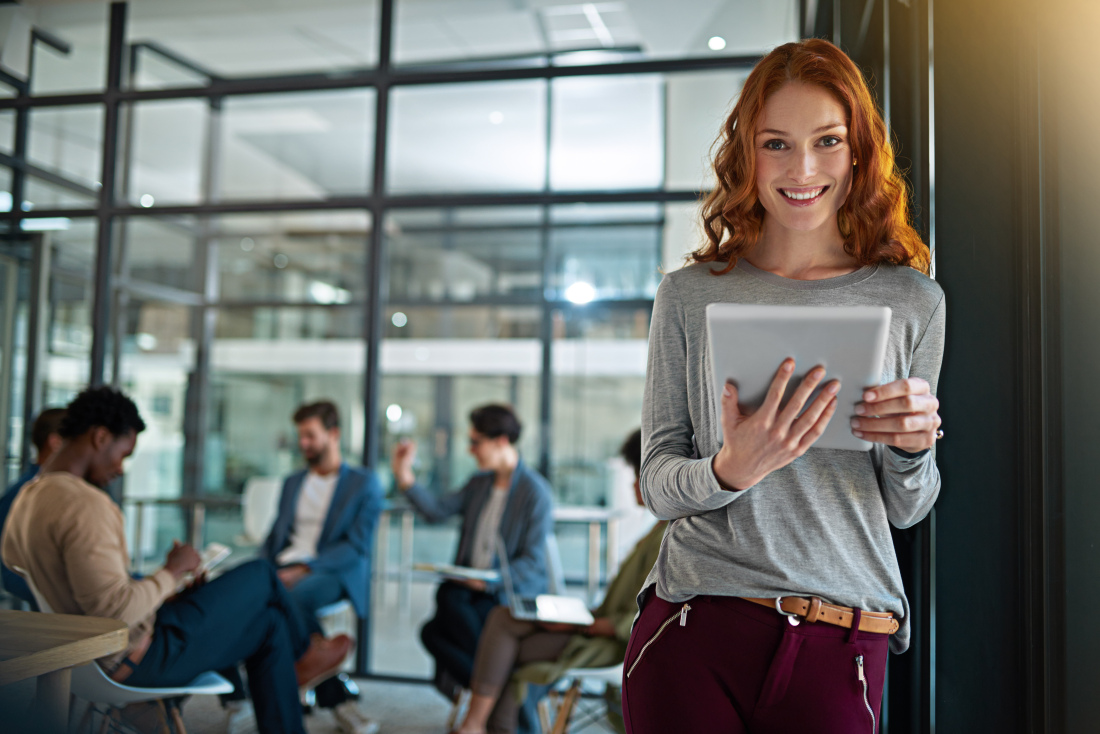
{"points": [[748, 343]]}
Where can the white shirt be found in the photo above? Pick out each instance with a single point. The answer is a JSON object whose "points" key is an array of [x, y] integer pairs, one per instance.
{"points": [[309, 518], [488, 525]]}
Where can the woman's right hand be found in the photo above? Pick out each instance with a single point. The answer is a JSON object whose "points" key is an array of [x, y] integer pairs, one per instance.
{"points": [[755, 445], [401, 462]]}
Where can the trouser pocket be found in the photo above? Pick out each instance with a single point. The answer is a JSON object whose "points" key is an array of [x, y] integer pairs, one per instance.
{"points": [[681, 615], [781, 670]]}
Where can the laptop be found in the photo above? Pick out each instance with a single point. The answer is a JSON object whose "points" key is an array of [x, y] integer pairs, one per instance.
{"points": [[544, 607]]}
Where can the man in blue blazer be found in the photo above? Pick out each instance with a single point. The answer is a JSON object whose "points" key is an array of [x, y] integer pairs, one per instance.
{"points": [[322, 538]]}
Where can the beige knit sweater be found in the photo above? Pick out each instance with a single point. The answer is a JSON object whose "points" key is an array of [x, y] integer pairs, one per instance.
{"points": [[68, 537]]}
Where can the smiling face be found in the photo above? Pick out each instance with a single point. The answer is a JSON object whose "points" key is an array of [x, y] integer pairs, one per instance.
{"points": [[803, 159], [489, 453]]}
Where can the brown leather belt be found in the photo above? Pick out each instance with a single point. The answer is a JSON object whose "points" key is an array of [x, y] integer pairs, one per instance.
{"points": [[815, 610], [131, 661]]}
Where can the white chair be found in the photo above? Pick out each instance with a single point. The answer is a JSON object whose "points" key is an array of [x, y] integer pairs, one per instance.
{"points": [[90, 683], [554, 567], [259, 505], [558, 721]]}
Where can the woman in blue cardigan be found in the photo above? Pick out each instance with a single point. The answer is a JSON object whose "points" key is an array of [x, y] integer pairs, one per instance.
{"points": [[504, 497]]}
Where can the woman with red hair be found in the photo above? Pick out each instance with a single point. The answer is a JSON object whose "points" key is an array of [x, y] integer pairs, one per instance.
{"points": [[777, 594]]}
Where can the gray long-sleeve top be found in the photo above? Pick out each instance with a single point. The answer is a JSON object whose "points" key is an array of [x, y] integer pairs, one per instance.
{"points": [[820, 525]]}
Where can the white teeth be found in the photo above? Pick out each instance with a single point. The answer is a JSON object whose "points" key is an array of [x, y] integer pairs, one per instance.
{"points": [[802, 195]]}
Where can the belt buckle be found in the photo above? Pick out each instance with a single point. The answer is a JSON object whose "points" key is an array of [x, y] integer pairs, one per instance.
{"points": [[792, 618]]}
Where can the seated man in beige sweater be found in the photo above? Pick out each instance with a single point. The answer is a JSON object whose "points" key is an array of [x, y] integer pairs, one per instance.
{"points": [[67, 535]]}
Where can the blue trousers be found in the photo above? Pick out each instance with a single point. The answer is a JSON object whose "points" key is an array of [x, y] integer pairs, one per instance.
{"points": [[245, 614], [311, 593], [314, 591]]}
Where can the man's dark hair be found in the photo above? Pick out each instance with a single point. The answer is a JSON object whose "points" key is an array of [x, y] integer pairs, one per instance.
{"points": [[495, 420], [100, 406], [324, 410], [631, 450], [45, 425]]}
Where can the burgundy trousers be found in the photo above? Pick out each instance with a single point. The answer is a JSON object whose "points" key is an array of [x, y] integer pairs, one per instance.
{"points": [[723, 664]]}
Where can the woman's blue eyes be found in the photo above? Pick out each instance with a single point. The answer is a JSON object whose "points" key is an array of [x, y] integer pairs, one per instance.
{"points": [[829, 141]]}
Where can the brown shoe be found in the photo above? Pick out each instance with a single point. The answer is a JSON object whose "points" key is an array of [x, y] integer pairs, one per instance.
{"points": [[322, 659]]}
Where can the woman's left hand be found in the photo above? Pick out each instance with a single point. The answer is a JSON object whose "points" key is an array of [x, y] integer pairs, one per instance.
{"points": [[901, 414]]}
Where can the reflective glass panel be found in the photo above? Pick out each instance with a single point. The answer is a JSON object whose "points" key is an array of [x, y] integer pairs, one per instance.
{"points": [[84, 27], [307, 145], [472, 31], [166, 152], [40, 193], [448, 256], [156, 360], [414, 322], [599, 375], [258, 37], [600, 252], [14, 313], [69, 330], [697, 105], [67, 141], [312, 257], [607, 132], [467, 137], [163, 251], [7, 131]]}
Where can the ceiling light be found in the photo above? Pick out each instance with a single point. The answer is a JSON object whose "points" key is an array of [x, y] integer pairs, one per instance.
{"points": [[496, 117], [325, 293], [146, 200], [394, 413], [399, 319], [716, 43], [580, 292], [46, 224]]}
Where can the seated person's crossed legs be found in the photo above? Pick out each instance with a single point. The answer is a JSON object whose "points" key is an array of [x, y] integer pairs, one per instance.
{"points": [[245, 615]]}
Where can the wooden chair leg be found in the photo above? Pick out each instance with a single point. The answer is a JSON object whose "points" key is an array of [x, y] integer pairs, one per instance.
{"points": [[107, 719], [85, 723], [561, 722], [177, 718]]}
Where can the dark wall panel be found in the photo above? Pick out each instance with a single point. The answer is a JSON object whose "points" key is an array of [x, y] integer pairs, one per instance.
{"points": [[980, 622], [1071, 67]]}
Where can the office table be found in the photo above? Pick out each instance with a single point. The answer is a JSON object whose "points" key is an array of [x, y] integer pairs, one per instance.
{"points": [[49, 646]]}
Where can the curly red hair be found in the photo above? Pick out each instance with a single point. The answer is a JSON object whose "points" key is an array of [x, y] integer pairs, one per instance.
{"points": [[874, 219]]}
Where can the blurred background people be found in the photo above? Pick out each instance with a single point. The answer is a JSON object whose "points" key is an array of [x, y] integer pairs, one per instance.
{"points": [[46, 441], [67, 534], [323, 535], [540, 653], [504, 497]]}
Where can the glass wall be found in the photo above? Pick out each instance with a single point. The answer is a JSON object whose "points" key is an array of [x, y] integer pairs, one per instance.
{"points": [[256, 247]]}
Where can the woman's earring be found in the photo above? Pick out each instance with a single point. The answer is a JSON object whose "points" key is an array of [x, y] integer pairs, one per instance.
{"points": [[854, 161]]}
